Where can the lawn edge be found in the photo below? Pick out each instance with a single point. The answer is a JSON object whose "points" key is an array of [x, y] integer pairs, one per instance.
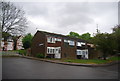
{"points": [[72, 64]]}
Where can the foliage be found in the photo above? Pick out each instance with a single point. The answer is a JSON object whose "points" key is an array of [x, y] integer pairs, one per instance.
{"points": [[116, 33], [39, 55], [27, 40], [73, 34], [22, 52], [114, 58], [85, 36], [105, 42]]}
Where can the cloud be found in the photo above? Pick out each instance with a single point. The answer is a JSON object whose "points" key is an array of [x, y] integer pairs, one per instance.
{"points": [[63, 17]]}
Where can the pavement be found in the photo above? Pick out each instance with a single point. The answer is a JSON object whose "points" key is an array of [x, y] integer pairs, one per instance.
{"points": [[73, 64], [22, 68]]}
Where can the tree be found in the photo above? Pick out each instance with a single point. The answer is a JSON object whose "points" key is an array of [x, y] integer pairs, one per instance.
{"points": [[12, 19], [73, 34], [105, 42], [116, 34], [27, 40], [86, 36]]}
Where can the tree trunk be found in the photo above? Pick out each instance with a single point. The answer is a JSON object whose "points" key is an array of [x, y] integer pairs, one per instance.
{"points": [[15, 43]]}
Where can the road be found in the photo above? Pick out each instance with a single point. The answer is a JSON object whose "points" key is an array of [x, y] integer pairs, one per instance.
{"points": [[22, 68]]}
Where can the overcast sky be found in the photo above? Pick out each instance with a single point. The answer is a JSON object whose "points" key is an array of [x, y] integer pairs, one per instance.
{"points": [[63, 17]]}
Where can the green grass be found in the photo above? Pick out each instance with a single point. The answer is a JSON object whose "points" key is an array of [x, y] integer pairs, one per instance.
{"points": [[114, 58], [22, 52], [89, 61], [94, 61]]}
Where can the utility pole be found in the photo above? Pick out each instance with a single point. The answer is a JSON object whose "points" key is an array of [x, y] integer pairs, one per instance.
{"points": [[97, 29]]}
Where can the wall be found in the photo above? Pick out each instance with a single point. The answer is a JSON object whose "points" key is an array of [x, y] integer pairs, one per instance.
{"points": [[39, 38], [68, 51]]}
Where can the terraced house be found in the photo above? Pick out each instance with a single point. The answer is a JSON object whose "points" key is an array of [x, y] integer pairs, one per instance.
{"points": [[59, 46]]}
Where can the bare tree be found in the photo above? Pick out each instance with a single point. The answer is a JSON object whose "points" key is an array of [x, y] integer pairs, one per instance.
{"points": [[12, 19]]}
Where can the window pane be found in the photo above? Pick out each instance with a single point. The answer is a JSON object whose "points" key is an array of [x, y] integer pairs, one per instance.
{"points": [[50, 50], [71, 43]]}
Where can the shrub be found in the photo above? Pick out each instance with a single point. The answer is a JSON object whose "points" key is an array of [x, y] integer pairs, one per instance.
{"points": [[22, 52], [40, 55]]}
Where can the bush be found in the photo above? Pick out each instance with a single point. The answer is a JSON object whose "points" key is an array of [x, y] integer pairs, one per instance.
{"points": [[40, 55], [21, 52]]}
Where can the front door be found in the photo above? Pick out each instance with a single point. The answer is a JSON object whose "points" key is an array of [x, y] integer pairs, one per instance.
{"points": [[57, 53]]}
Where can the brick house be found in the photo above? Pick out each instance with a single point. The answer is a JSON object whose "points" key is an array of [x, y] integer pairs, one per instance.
{"points": [[59, 46], [19, 45], [9, 44]]}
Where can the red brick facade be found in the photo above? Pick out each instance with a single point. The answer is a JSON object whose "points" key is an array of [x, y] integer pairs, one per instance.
{"points": [[58, 46]]}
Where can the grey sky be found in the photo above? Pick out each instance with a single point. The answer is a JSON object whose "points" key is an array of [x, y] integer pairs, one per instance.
{"points": [[63, 17]]}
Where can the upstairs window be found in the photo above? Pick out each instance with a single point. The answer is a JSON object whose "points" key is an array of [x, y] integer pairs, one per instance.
{"points": [[78, 44], [50, 40], [65, 40], [57, 39], [71, 43], [82, 43]]}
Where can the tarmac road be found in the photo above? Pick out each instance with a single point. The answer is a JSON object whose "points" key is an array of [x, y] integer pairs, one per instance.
{"points": [[22, 68]]}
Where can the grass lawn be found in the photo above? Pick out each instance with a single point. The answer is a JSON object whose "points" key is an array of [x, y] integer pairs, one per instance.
{"points": [[94, 61], [89, 61]]}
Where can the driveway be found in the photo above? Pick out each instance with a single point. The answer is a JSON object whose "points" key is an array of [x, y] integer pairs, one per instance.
{"points": [[22, 68]]}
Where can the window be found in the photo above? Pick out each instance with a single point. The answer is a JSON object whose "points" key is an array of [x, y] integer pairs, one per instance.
{"points": [[71, 43], [50, 39], [59, 51], [50, 51], [65, 40], [57, 39], [79, 52], [82, 52], [82, 43], [53, 50], [78, 44]]}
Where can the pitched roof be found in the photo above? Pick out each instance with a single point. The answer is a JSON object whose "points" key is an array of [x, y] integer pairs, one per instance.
{"points": [[60, 35]]}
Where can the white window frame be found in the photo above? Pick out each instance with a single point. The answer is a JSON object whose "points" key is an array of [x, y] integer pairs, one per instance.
{"points": [[79, 44], [58, 39], [53, 50], [71, 42], [50, 39], [82, 43], [65, 40]]}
